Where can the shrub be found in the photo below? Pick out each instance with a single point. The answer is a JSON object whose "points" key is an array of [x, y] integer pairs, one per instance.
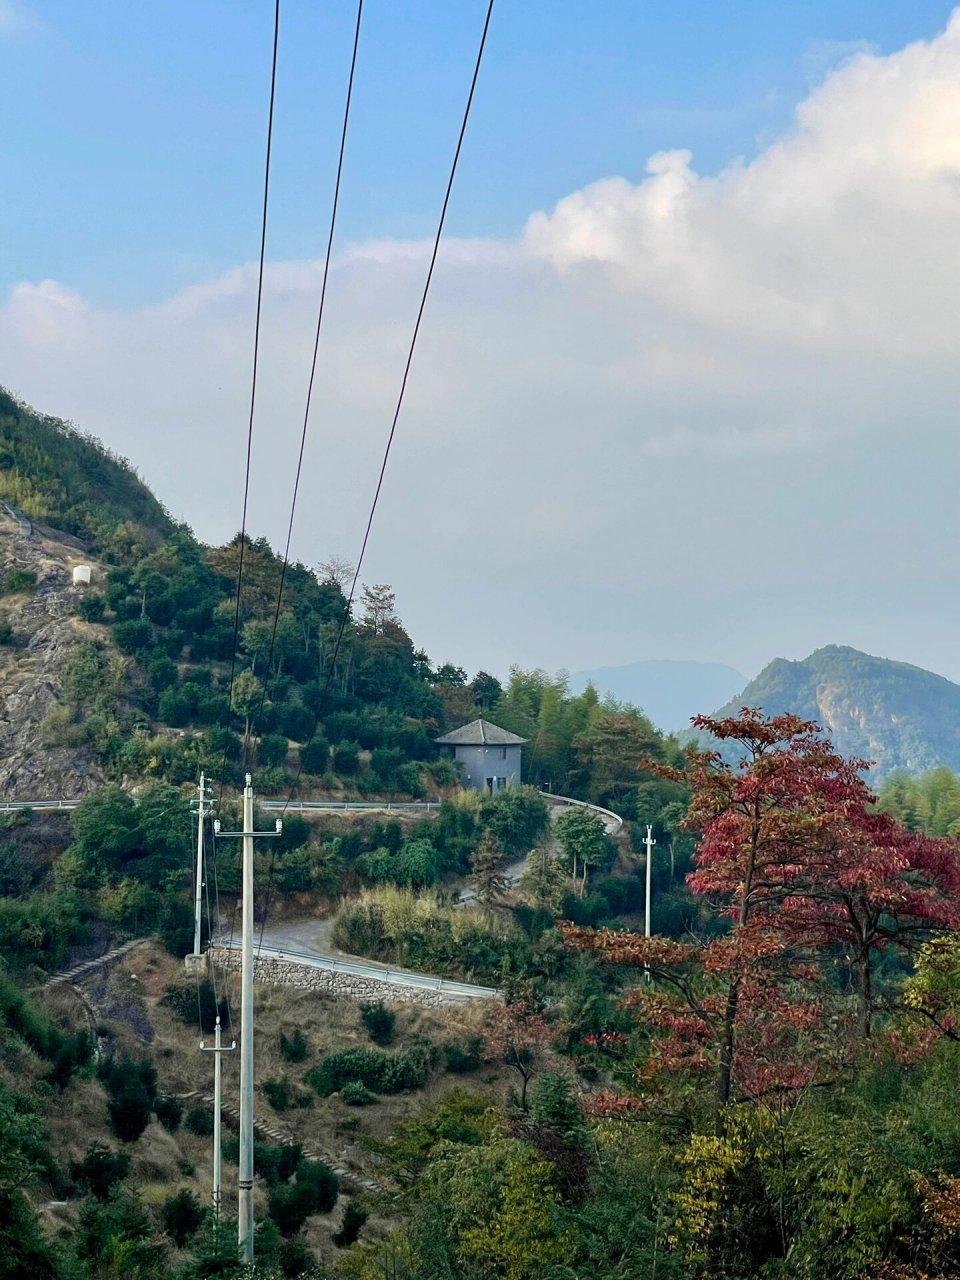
{"points": [[296, 721], [295, 1259], [381, 1072], [91, 607], [353, 1219], [356, 1094], [181, 1216], [17, 581], [134, 636], [315, 756], [169, 1111], [175, 926], [379, 1022], [199, 1121], [294, 1047], [183, 997], [272, 750], [314, 1191], [277, 1093], [100, 1169], [461, 1058], [132, 1090], [346, 759]]}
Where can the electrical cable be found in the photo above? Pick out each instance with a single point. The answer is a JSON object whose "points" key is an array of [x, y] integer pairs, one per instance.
{"points": [[256, 361], [316, 345], [404, 380]]}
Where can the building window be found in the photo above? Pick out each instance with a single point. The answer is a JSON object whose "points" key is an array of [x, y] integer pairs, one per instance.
{"points": [[503, 753]]}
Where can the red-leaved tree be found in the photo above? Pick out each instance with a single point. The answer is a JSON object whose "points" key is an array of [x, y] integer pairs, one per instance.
{"points": [[792, 852]]}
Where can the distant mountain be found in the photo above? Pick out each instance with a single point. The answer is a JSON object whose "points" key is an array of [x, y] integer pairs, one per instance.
{"points": [[669, 692], [900, 716]]}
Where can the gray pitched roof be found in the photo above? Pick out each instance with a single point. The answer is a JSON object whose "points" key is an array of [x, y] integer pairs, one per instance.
{"points": [[479, 733]]}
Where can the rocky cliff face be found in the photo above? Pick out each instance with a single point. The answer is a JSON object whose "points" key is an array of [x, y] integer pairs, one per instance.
{"points": [[897, 715], [31, 671]]}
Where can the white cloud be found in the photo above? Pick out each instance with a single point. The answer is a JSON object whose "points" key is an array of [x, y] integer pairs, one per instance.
{"points": [[686, 416]]}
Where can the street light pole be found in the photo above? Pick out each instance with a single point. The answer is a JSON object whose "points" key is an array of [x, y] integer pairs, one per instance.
{"points": [[649, 842]]}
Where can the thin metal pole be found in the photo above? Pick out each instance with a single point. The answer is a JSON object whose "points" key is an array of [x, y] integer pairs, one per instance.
{"points": [[217, 1050], [245, 1208], [199, 879], [649, 842], [216, 1123]]}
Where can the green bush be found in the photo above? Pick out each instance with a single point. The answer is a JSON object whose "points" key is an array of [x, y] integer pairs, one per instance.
{"points": [[459, 1059], [277, 1093], [346, 759], [315, 756], [183, 998], [314, 1191], [381, 1072], [132, 1091], [169, 1111], [181, 1216], [91, 607], [199, 1121], [294, 1047], [353, 1219], [100, 1169], [272, 750], [17, 581], [379, 1021], [176, 925], [356, 1094]]}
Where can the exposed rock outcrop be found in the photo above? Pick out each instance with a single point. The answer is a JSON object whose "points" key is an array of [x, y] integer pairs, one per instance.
{"points": [[47, 630]]}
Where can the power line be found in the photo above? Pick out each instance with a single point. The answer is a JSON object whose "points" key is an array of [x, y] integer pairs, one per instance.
{"points": [[406, 373], [316, 342], [256, 358]]}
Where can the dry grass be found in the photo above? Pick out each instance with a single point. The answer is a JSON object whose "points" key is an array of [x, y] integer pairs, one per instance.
{"points": [[164, 1163]]}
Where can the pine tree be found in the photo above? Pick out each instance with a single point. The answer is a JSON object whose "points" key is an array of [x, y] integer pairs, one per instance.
{"points": [[489, 883]]}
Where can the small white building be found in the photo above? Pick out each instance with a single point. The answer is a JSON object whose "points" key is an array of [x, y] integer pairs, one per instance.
{"points": [[488, 756], [82, 574]]}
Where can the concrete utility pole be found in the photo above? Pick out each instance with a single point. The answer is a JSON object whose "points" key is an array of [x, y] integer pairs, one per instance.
{"points": [[217, 1050], [202, 811], [649, 842], [245, 1207]]}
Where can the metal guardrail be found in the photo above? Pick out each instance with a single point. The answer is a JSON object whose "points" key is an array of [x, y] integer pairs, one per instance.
{"points": [[12, 806], [584, 804], [309, 806], [397, 977], [295, 806]]}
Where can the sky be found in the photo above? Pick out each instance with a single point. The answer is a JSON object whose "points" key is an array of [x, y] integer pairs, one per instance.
{"points": [[687, 383]]}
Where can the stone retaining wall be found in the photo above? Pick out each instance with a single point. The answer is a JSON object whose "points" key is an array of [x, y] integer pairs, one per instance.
{"points": [[291, 973]]}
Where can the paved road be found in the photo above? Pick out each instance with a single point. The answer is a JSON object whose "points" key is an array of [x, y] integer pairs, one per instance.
{"points": [[309, 942]]}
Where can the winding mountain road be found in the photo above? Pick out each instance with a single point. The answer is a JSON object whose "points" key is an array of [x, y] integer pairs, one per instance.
{"points": [[308, 941]]}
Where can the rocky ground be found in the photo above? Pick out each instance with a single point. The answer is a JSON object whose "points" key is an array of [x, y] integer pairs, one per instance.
{"points": [[31, 671]]}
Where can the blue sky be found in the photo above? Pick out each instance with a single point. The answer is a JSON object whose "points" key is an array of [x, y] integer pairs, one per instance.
{"points": [[133, 133], [687, 382]]}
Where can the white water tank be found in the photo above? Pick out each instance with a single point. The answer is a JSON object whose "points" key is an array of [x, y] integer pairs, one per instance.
{"points": [[81, 575]]}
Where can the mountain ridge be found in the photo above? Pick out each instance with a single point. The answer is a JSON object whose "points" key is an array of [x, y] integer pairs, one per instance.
{"points": [[889, 712]]}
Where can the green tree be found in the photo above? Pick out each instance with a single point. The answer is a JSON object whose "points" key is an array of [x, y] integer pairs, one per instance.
{"points": [[489, 883], [585, 843], [543, 880]]}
